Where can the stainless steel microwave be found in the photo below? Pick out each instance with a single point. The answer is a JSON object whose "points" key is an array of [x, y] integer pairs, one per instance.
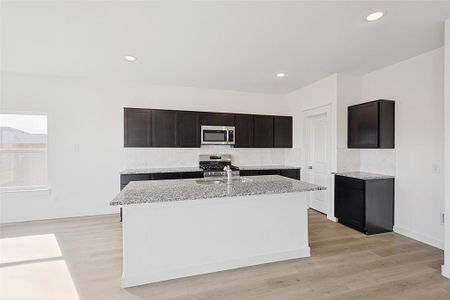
{"points": [[217, 135]]}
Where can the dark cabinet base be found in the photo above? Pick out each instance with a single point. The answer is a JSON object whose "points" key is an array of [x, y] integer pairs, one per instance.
{"points": [[365, 205]]}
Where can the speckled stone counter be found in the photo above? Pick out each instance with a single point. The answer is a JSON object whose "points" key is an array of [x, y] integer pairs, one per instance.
{"points": [[161, 170], [191, 189], [364, 175], [197, 169], [267, 167]]}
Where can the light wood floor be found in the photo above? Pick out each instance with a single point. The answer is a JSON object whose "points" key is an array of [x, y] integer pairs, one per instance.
{"points": [[345, 264]]}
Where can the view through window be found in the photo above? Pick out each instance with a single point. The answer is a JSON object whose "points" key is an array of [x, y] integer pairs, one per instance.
{"points": [[23, 151]]}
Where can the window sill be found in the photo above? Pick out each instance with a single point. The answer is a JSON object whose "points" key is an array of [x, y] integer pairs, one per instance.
{"points": [[25, 189]]}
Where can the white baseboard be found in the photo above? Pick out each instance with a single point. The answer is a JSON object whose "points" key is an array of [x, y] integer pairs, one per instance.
{"points": [[134, 280], [419, 237], [446, 271], [59, 215], [332, 218]]}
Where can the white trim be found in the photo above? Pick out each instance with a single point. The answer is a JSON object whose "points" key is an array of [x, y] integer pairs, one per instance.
{"points": [[22, 189], [445, 271], [110, 210], [419, 237], [332, 218], [315, 111], [134, 280]]}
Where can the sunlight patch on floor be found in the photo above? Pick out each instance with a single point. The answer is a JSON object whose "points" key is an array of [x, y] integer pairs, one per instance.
{"points": [[32, 267], [27, 248]]}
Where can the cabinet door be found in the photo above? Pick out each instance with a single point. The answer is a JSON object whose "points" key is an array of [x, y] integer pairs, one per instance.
{"points": [[291, 173], [188, 129], [282, 128], [198, 174], [263, 131], [269, 172], [363, 125], [249, 172], [137, 129], [217, 119], [126, 178], [164, 128], [349, 201], [164, 176], [244, 131]]}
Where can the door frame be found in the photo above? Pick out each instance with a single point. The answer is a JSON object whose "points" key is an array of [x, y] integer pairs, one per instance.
{"points": [[308, 113]]}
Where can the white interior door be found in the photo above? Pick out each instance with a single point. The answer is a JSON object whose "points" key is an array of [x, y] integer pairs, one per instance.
{"points": [[318, 157]]}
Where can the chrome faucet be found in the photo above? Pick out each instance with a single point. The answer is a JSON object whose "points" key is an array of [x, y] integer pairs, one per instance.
{"points": [[227, 169]]}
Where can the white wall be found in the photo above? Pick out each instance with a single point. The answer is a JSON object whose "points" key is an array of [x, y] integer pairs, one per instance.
{"points": [[322, 93], [446, 267], [319, 94], [417, 87], [85, 137]]}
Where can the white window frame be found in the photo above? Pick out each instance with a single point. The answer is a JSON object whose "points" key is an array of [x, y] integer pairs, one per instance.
{"points": [[33, 188]]}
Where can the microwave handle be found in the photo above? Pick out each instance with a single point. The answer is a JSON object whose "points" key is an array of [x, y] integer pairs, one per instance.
{"points": [[228, 136]]}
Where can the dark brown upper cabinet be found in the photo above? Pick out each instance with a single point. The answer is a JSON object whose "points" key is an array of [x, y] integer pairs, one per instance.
{"points": [[262, 131], [188, 129], [172, 128], [137, 127], [244, 131], [371, 125], [282, 132], [217, 119], [164, 124]]}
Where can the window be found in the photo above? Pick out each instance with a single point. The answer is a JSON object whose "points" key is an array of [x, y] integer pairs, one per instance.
{"points": [[23, 151]]}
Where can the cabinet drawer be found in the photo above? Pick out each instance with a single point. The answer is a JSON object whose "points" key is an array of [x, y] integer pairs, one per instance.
{"points": [[248, 172], [162, 176], [291, 173], [348, 183], [126, 178], [269, 172], [192, 175]]}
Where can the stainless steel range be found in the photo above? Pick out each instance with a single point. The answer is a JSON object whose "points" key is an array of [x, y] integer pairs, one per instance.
{"points": [[214, 165]]}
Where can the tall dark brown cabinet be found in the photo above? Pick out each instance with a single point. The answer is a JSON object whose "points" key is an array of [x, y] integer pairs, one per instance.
{"points": [[188, 129], [262, 131], [244, 131], [282, 132], [138, 130]]}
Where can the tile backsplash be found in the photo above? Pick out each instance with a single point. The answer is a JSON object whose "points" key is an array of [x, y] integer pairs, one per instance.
{"points": [[176, 157], [378, 161]]}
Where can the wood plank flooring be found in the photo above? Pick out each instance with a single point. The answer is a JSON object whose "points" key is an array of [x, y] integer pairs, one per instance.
{"points": [[345, 264]]}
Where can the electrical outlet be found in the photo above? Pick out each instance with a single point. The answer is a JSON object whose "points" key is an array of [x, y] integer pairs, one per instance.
{"points": [[436, 169], [442, 218]]}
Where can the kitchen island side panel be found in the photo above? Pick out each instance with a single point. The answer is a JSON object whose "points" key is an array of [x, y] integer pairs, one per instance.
{"points": [[168, 240]]}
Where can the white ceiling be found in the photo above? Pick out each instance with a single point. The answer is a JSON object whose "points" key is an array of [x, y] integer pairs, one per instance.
{"points": [[225, 45]]}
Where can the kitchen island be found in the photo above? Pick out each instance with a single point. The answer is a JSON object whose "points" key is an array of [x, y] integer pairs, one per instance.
{"points": [[178, 228]]}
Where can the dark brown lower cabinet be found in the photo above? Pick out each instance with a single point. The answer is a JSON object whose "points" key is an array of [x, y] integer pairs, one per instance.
{"points": [[290, 173], [365, 205]]}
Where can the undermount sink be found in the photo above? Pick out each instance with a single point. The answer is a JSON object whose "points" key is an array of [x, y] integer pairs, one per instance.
{"points": [[223, 180]]}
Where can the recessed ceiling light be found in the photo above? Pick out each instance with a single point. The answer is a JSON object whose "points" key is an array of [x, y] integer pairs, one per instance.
{"points": [[130, 57], [279, 75], [375, 16]]}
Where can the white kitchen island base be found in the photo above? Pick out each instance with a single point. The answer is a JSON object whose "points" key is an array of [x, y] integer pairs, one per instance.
{"points": [[167, 240]]}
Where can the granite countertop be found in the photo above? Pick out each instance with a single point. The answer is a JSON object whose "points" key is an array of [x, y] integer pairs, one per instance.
{"points": [[267, 167], [197, 169], [161, 170], [364, 175], [149, 191]]}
